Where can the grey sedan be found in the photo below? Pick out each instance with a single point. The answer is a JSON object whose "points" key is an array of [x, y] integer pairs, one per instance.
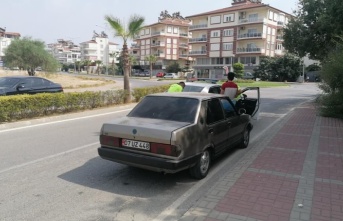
{"points": [[170, 132]]}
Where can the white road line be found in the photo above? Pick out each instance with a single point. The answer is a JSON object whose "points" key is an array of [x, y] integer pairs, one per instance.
{"points": [[49, 157], [62, 121]]}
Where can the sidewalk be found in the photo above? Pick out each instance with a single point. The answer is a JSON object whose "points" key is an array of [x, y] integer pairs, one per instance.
{"points": [[295, 173]]}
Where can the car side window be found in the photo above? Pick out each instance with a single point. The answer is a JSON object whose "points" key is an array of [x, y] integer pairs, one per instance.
{"points": [[27, 82], [214, 90], [37, 82], [214, 111]]}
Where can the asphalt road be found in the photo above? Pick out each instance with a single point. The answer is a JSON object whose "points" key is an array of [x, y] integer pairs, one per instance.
{"points": [[50, 169]]}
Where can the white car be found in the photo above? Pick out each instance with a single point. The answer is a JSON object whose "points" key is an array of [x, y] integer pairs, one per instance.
{"points": [[170, 75]]}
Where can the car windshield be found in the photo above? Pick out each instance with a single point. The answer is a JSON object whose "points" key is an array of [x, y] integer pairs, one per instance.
{"points": [[192, 88], [179, 109], [8, 82]]}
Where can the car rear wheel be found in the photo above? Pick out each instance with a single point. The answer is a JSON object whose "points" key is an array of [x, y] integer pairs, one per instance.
{"points": [[245, 139], [201, 168]]}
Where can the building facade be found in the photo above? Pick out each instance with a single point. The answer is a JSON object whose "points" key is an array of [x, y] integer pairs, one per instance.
{"points": [[65, 51], [241, 33], [167, 40], [99, 48], [5, 40]]}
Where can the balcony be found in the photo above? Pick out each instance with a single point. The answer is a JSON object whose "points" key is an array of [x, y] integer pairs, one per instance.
{"points": [[279, 37], [250, 35], [196, 40], [248, 50], [158, 44], [157, 33], [135, 46], [183, 55], [251, 20], [185, 35], [183, 45], [159, 54], [90, 49], [197, 53], [199, 26], [280, 23]]}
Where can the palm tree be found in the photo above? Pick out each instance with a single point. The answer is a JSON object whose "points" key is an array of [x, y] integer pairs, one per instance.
{"points": [[78, 64], [132, 61], [87, 63], [98, 63], [152, 60], [114, 55], [133, 28]]}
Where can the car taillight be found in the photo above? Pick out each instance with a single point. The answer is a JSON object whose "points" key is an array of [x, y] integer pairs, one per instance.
{"points": [[109, 141], [165, 149]]}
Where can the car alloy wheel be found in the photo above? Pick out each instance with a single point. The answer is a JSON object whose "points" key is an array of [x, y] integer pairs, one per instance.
{"points": [[201, 168]]}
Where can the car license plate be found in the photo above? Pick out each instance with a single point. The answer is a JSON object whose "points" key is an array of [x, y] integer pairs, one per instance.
{"points": [[135, 144]]}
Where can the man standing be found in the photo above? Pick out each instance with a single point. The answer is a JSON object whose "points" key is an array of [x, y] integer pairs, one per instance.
{"points": [[177, 87], [230, 88]]}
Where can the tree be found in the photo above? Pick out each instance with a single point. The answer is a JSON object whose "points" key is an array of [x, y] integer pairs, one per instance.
{"points": [[173, 68], [87, 63], [313, 67], [114, 55], [98, 63], [132, 61], [29, 54], [238, 68], [152, 60], [315, 28], [283, 68], [133, 28], [78, 64]]}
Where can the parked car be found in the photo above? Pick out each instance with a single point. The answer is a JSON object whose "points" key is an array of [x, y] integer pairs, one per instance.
{"points": [[160, 74], [170, 76], [248, 75], [202, 87], [27, 85], [170, 132]]}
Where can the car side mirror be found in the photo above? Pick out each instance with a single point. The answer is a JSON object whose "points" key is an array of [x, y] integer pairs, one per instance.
{"points": [[20, 86], [242, 111]]}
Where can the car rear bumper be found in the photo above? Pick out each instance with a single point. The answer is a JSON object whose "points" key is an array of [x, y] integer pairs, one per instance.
{"points": [[147, 162]]}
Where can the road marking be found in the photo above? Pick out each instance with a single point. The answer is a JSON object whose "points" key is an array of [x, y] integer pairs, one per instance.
{"points": [[49, 157], [62, 121]]}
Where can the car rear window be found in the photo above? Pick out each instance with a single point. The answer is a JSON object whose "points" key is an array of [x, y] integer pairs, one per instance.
{"points": [[8, 82], [166, 108], [192, 88]]}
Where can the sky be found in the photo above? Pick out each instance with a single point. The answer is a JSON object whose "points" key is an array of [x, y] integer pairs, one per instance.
{"points": [[75, 20]]}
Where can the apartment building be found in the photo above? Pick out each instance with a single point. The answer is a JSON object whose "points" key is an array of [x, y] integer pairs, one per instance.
{"points": [[65, 51], [241, 33], [5, 40], [167, 40], [99, 48]]}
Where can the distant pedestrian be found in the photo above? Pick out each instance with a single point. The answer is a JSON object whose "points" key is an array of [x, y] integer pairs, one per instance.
{"points": [[177, 87], [307, 79]]}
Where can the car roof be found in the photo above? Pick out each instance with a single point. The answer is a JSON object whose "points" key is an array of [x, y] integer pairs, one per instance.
{"points": [[201, 84], [196, 95]]}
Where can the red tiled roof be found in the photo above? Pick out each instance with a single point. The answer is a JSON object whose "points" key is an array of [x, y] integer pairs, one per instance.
{"points": [[236, 8]]}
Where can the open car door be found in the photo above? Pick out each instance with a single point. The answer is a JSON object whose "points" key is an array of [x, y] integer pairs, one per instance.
{"points": [[250, 101]]}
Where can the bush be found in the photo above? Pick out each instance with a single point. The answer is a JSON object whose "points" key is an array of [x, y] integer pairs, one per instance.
{"points": [[19, 107]]}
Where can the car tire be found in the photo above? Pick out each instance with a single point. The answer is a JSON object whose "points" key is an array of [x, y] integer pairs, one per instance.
{"points": [[201, 168], [245, 138]]}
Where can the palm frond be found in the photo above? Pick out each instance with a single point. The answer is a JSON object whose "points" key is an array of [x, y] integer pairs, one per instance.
{"points": [[116, 24], [135, 25]]}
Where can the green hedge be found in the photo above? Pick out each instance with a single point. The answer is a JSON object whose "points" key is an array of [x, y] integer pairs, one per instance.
{"points": [[19, 107]]}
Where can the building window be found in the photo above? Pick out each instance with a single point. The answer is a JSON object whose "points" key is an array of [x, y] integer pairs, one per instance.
{"points": [[268, 45], [228, 61], [203, 61], [253, 17], [271, 15], [175, 30], [269, 30], [279, 47], [227, 46], [215, 34], [174, 41], [215, 19], [228, 32], [248, 60], [174, 51], [147, 31], [169, 29], [214, 47], [273, 31], [216, 60], [229, 18]]}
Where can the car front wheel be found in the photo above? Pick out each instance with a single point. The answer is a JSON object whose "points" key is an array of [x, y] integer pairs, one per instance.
{"points": [[201, 168]]}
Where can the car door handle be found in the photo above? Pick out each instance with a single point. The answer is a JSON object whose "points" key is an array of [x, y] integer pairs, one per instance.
{"points": [[210, 130], [229, 124]]}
